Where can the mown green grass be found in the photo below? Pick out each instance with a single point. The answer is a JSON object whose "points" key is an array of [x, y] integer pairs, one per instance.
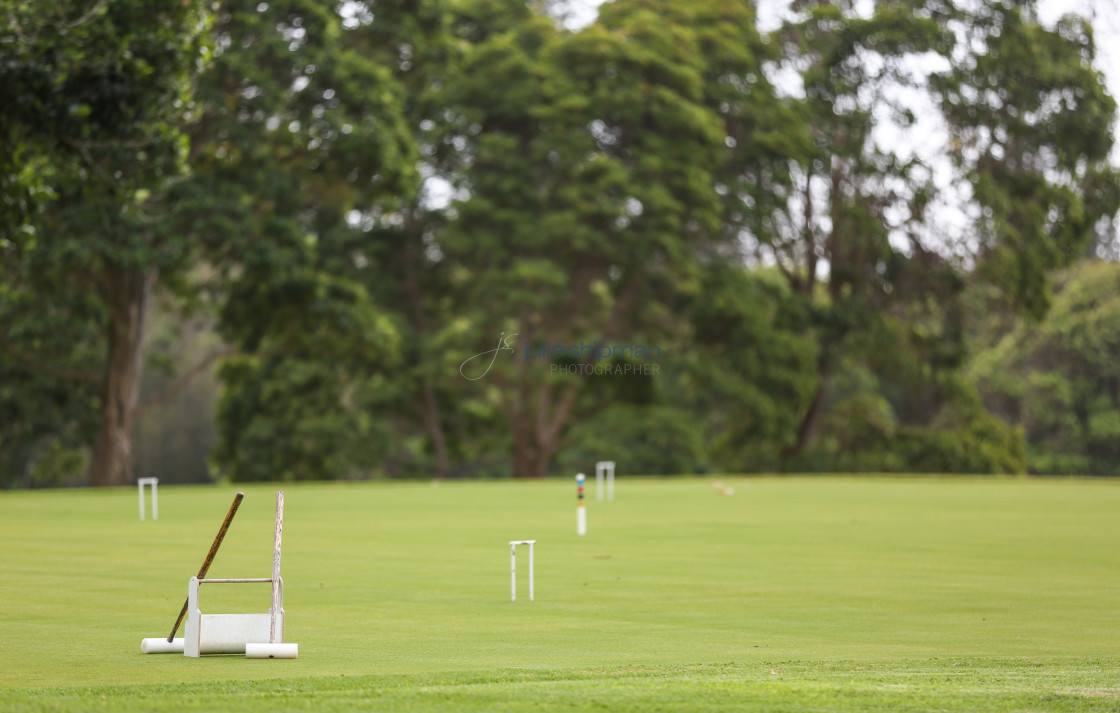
{"points": [[792, 594]]}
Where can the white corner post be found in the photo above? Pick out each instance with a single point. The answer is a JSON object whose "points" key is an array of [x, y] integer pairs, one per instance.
{"points": [[513, 567], [154, 483]]}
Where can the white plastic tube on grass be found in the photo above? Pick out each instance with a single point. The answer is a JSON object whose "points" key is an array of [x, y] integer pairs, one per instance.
{"points": [[161, 646], [271, 651]]}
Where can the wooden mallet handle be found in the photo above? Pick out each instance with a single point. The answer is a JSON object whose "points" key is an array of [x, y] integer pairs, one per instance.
{"points": [[209, 557]]}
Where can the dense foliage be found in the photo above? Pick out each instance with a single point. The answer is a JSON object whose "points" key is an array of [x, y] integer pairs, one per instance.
{"points": [[455, 237], [95, 98], [1060, 380]]}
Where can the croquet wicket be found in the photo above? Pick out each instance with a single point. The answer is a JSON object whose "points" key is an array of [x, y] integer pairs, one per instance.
{"points": [[513, 568]]}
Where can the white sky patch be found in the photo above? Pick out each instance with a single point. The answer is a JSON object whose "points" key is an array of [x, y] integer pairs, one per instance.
{"points": [[436, 193], [1104, 15], [951, 214], [576, 14], [1105, 18]]}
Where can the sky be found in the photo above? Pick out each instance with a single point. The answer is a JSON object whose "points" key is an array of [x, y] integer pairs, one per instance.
{"points": [[1104, 13], [926, 139], [952, 219]]}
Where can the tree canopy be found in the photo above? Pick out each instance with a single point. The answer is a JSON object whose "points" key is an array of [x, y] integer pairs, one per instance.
{"points": [[444, 238]]}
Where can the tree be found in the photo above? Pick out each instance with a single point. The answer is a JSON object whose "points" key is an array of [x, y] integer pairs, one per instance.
{"points": [[299, 127], [589, 204], [292, 127], [840, 225], [1058, 379], [1032, 126], [852, 229], [422, 403], [95, 98], [749, 366]]}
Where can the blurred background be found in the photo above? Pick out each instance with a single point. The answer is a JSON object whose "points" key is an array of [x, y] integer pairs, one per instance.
{"points": [[305, 240]]}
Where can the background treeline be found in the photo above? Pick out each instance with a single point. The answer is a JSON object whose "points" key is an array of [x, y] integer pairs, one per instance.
{"points": [[257, 240]]}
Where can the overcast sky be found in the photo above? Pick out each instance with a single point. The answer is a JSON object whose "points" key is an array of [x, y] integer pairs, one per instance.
{"points": [[1104, 13], [950, 216]]}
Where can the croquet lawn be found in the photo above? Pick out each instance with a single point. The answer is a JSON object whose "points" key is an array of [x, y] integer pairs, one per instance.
{"points": [[791, 594]]}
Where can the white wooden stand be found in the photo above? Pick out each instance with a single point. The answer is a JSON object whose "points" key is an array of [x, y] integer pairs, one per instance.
{"points": [[227, 633]]}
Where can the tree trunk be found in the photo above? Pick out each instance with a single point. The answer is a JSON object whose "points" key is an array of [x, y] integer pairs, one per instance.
{"points": [[435, 429], [536, 426], [525, 463], [807, 429], [127, 294], [533, 448], [536, 442], [545, 451], [430, 411]]}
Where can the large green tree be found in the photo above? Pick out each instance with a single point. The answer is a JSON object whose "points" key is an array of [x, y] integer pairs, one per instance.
{"points": [[1058, 379], [834, 227], [589, 205], [95, 96], [854, 227], [422, 405], [1032, 127], [300, 126], [286, 126]]}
